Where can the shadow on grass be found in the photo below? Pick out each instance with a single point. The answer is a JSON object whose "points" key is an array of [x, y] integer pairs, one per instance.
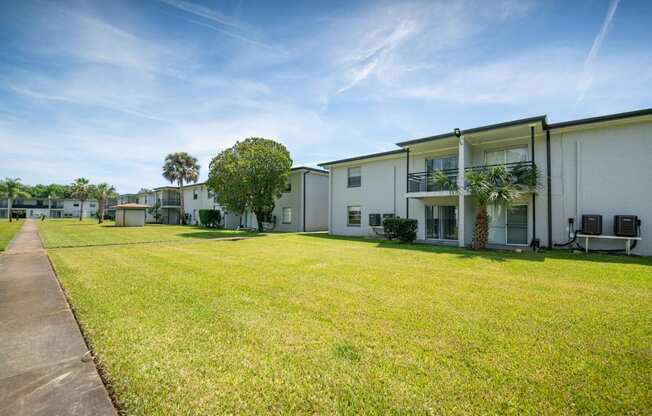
{"points": [[218, 234], [496, 255]]}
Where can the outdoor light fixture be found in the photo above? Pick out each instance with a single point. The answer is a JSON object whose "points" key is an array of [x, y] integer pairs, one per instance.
{"points": [[457, 132]]}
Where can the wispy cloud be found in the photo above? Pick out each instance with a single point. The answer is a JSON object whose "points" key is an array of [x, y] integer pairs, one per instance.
{"points": [[226, 25], [587, 76]]}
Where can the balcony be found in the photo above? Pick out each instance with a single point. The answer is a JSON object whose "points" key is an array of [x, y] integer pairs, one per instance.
{"points": [[30, 203], [169, 201], [430, 183], [56, 204]]}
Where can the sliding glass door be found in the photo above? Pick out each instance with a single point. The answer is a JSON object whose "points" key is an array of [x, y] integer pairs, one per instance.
{"points": [[508, 225], [448, 164], [441, 222]]}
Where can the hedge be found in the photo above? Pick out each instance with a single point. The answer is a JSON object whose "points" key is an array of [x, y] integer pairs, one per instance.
{"points": [[210, 217], [404, 229]]}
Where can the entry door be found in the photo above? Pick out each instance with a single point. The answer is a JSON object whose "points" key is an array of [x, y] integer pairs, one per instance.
{"points": [[441, 222], [508, 226], [517, 225]]}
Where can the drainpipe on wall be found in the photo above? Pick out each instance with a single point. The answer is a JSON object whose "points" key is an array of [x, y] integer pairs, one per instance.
{"points": [[407, 183], [304, 201], [549, 188]]}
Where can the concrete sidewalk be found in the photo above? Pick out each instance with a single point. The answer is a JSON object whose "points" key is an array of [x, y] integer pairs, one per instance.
{"points": [[41, 347]]}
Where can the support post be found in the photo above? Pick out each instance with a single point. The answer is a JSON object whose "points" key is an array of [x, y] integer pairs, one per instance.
{"points": [[534, 205], [461, 210]]}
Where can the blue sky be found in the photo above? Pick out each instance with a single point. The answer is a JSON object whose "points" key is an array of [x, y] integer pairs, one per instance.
{"points": [[106, 89]]}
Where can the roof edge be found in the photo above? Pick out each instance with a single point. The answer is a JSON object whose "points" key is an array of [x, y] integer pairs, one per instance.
{"points": [[541, 119], [598, 119], [363, 157]]}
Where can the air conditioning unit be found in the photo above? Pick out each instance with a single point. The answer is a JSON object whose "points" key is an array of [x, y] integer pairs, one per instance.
{"points": [[592, 224], [625, 225]]}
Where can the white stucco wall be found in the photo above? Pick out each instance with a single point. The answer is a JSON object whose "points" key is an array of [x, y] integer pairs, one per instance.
{"points": [[606, 171], [382, 191], [130, 217], [316, 202]]}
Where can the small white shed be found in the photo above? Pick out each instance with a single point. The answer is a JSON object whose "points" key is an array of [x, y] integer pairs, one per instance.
{"points": [[130, 215]]}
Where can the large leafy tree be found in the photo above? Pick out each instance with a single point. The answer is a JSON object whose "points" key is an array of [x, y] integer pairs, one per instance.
{"points": [[11, 188], [491, 185], [250, 176], [181, 168], [103, 192], [81, 190]]}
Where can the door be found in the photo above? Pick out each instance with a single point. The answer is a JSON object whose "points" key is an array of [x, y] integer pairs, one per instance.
{"points": [[441, 222], [508, 225], [448, 164], [517, 225]]}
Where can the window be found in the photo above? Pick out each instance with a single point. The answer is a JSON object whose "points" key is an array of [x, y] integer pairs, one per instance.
{"points": [[354, 216], [374, 220], [287, 215], [92, 205], [514, 155], [195, 194], [355, 177], [76, 204], [210, 194]]}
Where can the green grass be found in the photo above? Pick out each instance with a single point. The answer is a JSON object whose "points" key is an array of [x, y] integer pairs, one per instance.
{"points": [[7, 231], [74, 233], [298, 324]]}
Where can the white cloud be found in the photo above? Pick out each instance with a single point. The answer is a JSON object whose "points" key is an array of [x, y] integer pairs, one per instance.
{"points": [[585, 82]]}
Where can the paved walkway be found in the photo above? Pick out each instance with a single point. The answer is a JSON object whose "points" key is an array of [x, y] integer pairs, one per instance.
{"points": [[41, 347]]}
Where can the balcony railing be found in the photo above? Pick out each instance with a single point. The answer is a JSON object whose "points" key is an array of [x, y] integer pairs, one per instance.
{"points": [[170, 201], [524, 173], [427, 181]]}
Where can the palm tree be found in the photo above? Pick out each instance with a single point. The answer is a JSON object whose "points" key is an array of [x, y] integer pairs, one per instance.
{"points": [[181, 168], [103, 192], [490, 185], [81, 188], [12, 189]]}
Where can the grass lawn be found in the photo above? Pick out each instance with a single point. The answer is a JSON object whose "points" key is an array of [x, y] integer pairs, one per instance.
{"points": [[8, 230], [299, 324], [73, 233]]}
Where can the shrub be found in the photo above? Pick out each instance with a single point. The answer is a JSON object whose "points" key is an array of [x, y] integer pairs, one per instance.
{"points": [[404, 229], [210, 217]]}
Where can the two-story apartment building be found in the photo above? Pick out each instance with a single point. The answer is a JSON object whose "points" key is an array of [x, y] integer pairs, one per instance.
{"points": [[598, 165], [303, 206], [48, 207]]}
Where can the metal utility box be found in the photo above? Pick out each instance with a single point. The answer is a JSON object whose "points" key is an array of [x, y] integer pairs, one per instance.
{"points": [[625, 225], [592, 224]]}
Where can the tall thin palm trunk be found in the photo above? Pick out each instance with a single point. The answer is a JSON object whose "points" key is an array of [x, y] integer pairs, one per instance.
{"points": [[100, 210], [481, 229], [9, 206], [81, 209]]}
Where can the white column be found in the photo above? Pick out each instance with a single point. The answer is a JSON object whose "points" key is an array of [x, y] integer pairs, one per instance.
{"points": [[460, 185]]}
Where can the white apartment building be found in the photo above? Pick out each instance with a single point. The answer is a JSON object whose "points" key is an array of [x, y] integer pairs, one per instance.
{"points": [[48, 207], [598, 166], [303, 206]]}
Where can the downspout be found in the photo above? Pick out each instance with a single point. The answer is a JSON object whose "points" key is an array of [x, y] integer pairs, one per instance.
{"points": [[534, 207], [304, 201], [407, 183], [549, 190]]}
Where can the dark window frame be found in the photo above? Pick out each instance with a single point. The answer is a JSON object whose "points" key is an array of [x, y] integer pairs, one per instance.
{"points": [[354, 181], [283, 215], [348, 216]]}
